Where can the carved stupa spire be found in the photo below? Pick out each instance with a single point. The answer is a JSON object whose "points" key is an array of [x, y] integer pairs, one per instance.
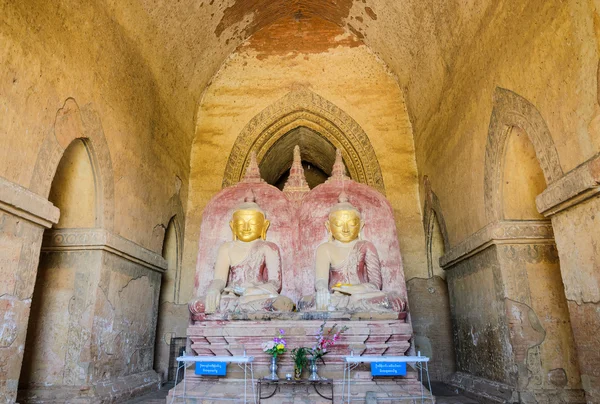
{"points": [[296, 185], [252, 172], [338, 172]]}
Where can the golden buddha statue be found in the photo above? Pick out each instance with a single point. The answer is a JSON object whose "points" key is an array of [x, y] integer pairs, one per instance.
{"points": [[247, 274], [348, 271]]}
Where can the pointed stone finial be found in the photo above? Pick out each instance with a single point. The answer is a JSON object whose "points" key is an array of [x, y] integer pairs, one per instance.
{"points": [[296, 185], [250, 197], [252, 172], [338, 172]]}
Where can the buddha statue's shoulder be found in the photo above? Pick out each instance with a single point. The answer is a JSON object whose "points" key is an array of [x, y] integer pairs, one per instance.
{"points": [[265, 245], [365, 245]]}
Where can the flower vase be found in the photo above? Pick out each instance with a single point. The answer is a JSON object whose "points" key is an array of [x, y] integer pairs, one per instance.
{"points": [[273, 369], [313, 370]]}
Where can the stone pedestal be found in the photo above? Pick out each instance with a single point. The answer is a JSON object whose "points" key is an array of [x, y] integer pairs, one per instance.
{"points": [[375, 336]]}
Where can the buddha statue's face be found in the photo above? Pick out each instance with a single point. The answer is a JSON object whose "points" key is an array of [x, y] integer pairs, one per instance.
{"points": [[249, 225], [344, 225]]}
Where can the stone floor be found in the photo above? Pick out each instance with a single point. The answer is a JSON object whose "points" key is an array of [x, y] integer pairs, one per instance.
{"points": [[444, 394]]}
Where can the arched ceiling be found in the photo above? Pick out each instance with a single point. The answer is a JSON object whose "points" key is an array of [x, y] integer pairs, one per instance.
{"points": [[185, 42]]}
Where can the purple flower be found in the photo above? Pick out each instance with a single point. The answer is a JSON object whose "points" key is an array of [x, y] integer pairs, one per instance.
{"points": [[281, 331]]}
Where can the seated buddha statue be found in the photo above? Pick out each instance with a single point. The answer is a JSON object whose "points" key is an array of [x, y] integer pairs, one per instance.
{"points": [[348, 271], [247, 275]]}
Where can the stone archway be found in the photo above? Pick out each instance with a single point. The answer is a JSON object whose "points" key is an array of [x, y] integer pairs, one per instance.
{"points": [[73, 122], [432, 213], [512, 110], [306, 109]]}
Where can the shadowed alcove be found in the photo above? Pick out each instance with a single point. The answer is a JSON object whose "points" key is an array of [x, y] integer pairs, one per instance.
{"points": [[318, 156]]}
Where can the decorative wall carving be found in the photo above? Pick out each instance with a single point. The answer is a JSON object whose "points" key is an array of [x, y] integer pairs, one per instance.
{"points": [[73, 123], [101, 239], [305, 108], [500, 232], [512, 110]]}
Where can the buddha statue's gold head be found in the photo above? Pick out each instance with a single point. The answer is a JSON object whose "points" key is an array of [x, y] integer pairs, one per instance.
{"points": [[344, 223], [249, 222]]}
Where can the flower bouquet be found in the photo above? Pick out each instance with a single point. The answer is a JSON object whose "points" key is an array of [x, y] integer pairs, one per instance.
{"points": [[274, 347], [324, 340]]}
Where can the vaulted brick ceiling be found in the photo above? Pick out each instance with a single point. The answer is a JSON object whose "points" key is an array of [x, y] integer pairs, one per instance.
{"points": [[185, 42]]}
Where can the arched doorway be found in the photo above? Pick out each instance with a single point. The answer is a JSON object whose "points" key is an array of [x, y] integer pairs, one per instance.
{"points": [[536, 305], [58, 334], [305, 114], [172, 316]]}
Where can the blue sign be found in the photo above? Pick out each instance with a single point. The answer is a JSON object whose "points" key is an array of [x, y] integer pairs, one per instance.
{"points": [[211, 368], [388, 368]]}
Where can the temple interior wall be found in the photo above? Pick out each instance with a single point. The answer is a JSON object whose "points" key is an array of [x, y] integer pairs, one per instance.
{"points": [[81, 54], [159, 92], [515, 44]]}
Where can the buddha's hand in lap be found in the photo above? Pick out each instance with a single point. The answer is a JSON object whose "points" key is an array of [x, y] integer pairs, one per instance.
{"points": [[357, 289], [213, 298]]}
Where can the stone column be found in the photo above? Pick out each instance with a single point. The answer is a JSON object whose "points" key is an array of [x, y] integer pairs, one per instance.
{"points": [[573, 204], [102, 302], [23, 218], [510, 318]]}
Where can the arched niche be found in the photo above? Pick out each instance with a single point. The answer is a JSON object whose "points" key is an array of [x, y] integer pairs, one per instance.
{"points": [[305, 109], [171, 317], [521, 160], [318, 156], [171, 252], [522, 178], [436, 234], [73, 190], [73, 122], [56, 333], [511, 110]]}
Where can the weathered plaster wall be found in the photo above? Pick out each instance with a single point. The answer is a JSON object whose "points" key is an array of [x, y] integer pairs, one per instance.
{"points": [[69, 71], [480, 330], [432, 325], [20, 242], [544, 51], [319, 56], [79, 52], [511, 325], [578, 241], [58, 346]]}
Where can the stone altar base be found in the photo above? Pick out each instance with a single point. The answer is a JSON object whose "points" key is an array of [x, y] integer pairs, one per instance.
{"points": [[225, 337], [364, 337]]}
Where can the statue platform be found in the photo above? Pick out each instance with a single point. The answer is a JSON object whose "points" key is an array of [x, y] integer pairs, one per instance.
{"points": [[234, 336], [364, 337]]}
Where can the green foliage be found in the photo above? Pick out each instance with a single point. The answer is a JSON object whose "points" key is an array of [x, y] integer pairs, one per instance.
{"points": [[300, 356]]}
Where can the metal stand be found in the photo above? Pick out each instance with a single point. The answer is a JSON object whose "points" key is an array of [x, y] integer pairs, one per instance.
{"points": [[421, 363], [244, 362], [305, 382]]}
